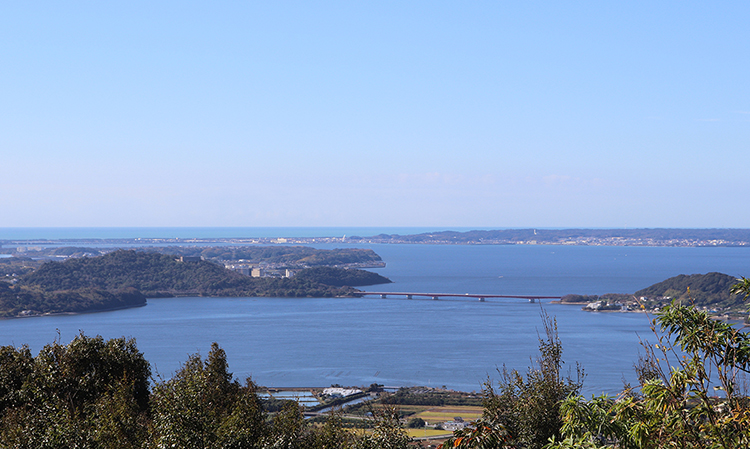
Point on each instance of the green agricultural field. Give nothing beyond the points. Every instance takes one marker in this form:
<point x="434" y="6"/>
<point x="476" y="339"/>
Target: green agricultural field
<point x="435" y="415"/>
<point x="423" y="433"/>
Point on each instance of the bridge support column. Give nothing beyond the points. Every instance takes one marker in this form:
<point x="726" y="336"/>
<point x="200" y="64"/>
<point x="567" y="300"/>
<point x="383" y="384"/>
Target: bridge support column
<point x="435" y="298"/>
<point x="384" y="296"/>
<point x="409" y="297"/>
<point x="532" y="300"/>
<point x="481" y="299"/>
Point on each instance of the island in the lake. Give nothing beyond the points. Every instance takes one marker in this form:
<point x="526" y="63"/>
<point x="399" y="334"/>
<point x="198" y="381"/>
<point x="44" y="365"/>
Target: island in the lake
<point x="125" y="278"/>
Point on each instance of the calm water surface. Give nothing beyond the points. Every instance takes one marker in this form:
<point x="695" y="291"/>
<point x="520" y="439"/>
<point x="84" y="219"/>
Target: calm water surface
<point x="397" y="342"/>
<point x="318" y="342"/>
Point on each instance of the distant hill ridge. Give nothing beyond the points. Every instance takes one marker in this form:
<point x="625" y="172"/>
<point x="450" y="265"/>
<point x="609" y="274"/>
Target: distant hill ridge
<point x="645" y="236"/>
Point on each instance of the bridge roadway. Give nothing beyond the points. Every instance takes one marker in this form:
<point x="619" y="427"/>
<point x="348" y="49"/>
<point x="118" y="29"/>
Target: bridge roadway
<point x="480" y="297"/>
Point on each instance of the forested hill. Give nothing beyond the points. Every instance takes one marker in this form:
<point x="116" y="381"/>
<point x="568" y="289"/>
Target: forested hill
<point x="16" y="301"/>
<point x="160" y="274"/>
<point x="151" y="273"/>
<point x="340" y="278"/>
<point x="710" y="289"/>
<point x="140" y="273"/>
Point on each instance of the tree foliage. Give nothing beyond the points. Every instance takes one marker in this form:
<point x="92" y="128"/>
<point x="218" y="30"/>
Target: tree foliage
<point x="524" y="411"/>
<point x="387" y="432"/>
<point x="697" y="289"/>
<point x="89" y="393"/>
<point x="125" y="278"/>
<point x="339" y="277"/>
<point x="690" y="393"/>
<point x="203" y="407"/>
<point x="20" y="300"/>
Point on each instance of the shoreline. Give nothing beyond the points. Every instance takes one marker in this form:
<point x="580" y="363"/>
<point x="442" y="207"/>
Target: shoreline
<point x="37" y="315"/>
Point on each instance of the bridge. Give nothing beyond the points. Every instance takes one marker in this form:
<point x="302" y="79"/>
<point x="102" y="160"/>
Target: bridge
<point x="480" y="297"/>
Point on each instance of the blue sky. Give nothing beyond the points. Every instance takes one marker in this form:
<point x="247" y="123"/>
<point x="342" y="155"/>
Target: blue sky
<point x="445" y="114"/>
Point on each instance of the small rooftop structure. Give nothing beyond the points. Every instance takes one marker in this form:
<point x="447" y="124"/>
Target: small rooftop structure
<point x="340" y="392"/>
<point x="457" y="424"/>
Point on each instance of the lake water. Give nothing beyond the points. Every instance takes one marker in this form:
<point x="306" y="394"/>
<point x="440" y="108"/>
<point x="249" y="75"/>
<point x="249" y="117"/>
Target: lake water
<point x="458" y="343"/>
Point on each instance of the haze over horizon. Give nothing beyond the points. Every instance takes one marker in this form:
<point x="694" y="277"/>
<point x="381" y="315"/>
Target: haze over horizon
<point x="389" y="114"/>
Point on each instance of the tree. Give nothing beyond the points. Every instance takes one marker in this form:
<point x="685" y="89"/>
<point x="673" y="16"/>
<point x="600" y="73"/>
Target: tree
<point x="202" y="407"/>
<point x="15" y="367"/>
<point x="89" y="393"/>
<point x="528" y="408"/>
<point x="387" y="432"/>
<point x="524" y="411"/>
<point x="245" y="427"/>
<point x="688" y="396"/>
<point x="415" y="423"/>
<point x="288" y="428"/>
<point x="483" y="433"/>
<point x="332" y="435"/>
<point x="741" y="288"/>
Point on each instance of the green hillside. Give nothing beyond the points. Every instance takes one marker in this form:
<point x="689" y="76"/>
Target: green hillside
<point x="23" y="301"/>
<point x="339" y="278"/>
<point x="151" y="273"/>
<point x="124" y="278"/>
<point x="711" y="289"/>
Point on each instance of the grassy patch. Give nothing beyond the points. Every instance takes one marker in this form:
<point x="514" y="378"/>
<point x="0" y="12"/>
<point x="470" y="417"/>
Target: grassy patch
<point x="442" y="414"/>
<point x="421" y="433"/>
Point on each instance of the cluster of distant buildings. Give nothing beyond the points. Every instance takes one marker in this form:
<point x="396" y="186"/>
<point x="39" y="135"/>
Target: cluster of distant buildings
<point x="458" y="423"/>
<point x="249" y="269"/>
<point x="626" y="241"/>
<point x="573" y="241"/>
<point x="258" y="271"/>
<point x="255" y="270"/>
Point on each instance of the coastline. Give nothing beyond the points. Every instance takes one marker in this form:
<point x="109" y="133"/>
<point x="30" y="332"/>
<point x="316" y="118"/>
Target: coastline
<point x="108" y="309"/>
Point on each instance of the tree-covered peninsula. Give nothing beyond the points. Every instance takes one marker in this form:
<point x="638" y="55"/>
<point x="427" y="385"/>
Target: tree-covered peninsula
<point x="711" y="291"/>
<point x="18" y="301"/>
<point x="340" y="278"/>
<point x="124" y="278"/>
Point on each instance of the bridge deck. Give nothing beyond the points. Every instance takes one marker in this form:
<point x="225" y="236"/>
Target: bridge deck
<point x="455" y="295"/>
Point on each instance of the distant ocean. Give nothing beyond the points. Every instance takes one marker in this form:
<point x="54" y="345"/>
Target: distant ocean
<point x="208" y="232"/>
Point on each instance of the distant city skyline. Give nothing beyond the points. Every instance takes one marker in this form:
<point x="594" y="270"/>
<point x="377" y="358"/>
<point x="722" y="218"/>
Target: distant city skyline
<point x="390" y="114"/>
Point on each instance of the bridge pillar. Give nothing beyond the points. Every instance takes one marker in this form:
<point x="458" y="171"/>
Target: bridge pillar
<point x="481" y="299"/>
<point x="409" y="297"/>
<point x="384" y="296"/>
<point x="532" y="300"/>
<point x="435" y="298"/>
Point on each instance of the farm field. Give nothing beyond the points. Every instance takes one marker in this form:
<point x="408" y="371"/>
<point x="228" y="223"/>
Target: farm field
<point x="425" y="433"/>
<point x="434" y="415"/>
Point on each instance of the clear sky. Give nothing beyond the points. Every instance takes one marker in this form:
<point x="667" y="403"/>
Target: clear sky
<point x="403" y="113"/>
